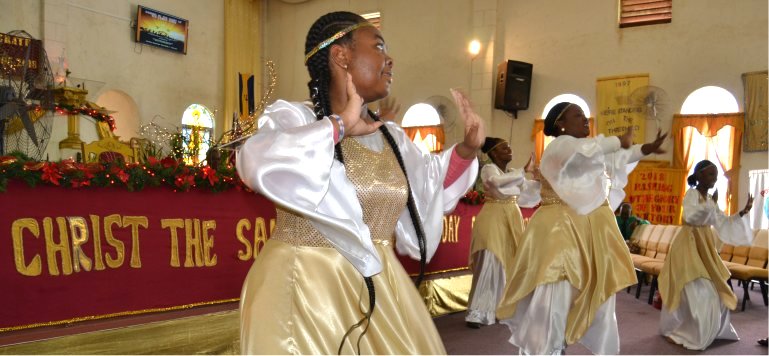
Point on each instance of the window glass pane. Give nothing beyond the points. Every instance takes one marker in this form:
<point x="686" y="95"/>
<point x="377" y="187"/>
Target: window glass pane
<point x="710" y="100"/>
<point x="197" y="133"/>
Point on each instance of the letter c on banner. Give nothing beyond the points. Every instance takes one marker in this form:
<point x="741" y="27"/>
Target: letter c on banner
<point x="34" y="268"/>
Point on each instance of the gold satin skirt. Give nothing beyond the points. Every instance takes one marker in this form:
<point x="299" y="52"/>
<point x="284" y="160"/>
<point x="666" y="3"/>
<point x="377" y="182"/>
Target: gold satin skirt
<point x="302" y="300"/>
<point x="497" y="228"/>
<point x="693" y="254"/>
<point x="586" y="250"/>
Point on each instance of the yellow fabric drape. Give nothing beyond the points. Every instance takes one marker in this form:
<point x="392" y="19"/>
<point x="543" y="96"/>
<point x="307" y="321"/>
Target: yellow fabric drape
<point x="728" y="152"/>
<point x="242" y="51"/>
<point x="538" y="136"/>
<point x="694" y="254"/>
<point x="756" y="111"/>
<point x="423" y="131"/>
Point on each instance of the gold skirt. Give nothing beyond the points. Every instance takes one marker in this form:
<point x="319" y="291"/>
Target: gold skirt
<point x="302" y="300"/>
<point x="693" y="255"/>
<point x="497" y="228"/>
<point x="586" y="250"/>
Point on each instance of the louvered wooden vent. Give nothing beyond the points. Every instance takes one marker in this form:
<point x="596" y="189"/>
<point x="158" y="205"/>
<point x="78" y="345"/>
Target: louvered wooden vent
<point x="375" y="18"/>
<point x="644" y="12"/>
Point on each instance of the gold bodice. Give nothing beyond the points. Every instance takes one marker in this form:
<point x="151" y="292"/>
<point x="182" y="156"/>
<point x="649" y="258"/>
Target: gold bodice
<point x="548" y="195"/>
<point x="381" y="189"/>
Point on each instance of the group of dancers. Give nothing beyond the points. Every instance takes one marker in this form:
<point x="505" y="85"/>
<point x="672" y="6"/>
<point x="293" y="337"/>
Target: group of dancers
<point x="351" y="190"/>
<point x="558" y="287"/>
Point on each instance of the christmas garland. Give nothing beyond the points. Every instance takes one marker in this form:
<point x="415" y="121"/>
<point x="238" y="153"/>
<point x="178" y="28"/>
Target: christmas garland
<point x="474" y="197"/>
<point x="168" y="172"/>
<point x="63" y="109"/>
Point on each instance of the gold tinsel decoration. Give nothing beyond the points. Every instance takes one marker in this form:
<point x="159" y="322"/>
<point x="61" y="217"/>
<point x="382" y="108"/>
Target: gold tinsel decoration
<point x="246" y="126"/>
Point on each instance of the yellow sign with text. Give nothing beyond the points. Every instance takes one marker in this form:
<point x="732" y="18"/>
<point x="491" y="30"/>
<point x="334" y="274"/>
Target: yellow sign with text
<point x="620" y="104"/>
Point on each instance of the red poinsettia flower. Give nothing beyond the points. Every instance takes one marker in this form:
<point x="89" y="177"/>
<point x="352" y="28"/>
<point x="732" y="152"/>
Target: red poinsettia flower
<point x="210" y="174"/>
<point x="51" y="173"/>
<point x="152" y="161"/>
<point x="119" y="173"/>
<point x="185" y="181"/>
<point x="122" y="175"/>
<point x="77" y="183"/>
<point x="169" y="162"/>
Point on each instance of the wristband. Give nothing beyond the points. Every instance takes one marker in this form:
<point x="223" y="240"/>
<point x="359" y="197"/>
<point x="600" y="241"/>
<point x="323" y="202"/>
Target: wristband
<point x="340" y="123"/>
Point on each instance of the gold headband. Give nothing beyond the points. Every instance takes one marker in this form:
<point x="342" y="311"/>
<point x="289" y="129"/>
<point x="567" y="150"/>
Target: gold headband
<point x="335" y="37"/>
<point x="495" y="146"/>
<point x="561" y="113"/>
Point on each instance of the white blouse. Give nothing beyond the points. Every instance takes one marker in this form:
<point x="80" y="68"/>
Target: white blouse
<point x="290" y="160"/>
<point x="504" y="185"/>
<point x="699" y="211"/>
<point x="583" y="171"/>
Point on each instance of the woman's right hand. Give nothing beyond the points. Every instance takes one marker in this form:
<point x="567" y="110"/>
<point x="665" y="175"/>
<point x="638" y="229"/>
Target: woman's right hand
<point x="749" y="204"/>
<point x="654" y="146"/>
<point x="354" y="125"/>
<point x="626" y="140"/>
<point x="531" y="165"/>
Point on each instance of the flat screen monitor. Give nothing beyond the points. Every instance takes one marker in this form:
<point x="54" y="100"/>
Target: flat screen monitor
<point x="162" y="30"/>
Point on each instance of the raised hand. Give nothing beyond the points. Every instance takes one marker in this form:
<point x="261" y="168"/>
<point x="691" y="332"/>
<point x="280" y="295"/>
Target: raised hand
<point x="715" y="196"/>
<point x="354" y="125"/>
<point x="475" y="133"/>
<point x="531" y="164"/>
<point x="626" y="140"/>
<point x="654" y="146"/>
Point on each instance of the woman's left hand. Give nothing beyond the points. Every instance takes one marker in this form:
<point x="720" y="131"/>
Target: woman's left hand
<point x="475" y="133"/>
<point x="531" y="165"/>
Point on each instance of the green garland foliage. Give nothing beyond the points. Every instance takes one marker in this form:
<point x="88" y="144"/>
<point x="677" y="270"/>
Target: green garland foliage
<point x="167" y="172"/>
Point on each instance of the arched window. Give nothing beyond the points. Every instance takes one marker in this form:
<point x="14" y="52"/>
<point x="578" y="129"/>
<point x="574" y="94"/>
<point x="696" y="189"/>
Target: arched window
<point x="538" y="136"/>
<point x="709" y="100"/>
<point x="197" y="133"/>
<point x="422" y="125"/>
<point x="710" y="127"/>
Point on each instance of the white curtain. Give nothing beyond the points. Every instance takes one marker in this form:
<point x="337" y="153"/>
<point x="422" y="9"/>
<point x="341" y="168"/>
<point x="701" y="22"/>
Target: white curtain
<point x="759" y="187"/>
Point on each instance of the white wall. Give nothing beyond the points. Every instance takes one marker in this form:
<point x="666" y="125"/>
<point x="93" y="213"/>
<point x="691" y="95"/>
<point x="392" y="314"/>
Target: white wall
<point x="570" y="43"/>
<point x="100" y="47"/>
<point x="22" y="15"/>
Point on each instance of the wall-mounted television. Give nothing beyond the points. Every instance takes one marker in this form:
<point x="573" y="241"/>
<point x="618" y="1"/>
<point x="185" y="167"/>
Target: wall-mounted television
<point x="162" y="30"/>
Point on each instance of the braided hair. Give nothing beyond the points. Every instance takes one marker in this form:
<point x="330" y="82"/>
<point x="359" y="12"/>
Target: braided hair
<point x="692" y="179"/>
<point x="319" y="86"/>
<point x="552" y="116"/>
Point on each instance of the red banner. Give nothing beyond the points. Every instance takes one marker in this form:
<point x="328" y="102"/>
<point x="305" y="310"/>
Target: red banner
<point x="70" y="255"/>
<point x="78" y="254"/>
<point x="454" y="250"/>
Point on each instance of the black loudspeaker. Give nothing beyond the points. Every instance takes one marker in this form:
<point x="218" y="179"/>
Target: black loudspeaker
<point x="513" y="86"/>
